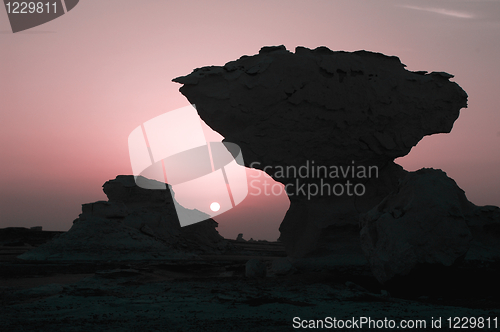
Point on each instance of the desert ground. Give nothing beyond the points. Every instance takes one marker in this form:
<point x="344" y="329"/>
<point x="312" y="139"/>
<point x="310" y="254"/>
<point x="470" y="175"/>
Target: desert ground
<point x="212" y="293"/>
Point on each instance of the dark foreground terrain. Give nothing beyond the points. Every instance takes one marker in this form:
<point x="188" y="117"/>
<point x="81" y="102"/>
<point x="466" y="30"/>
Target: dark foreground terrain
<point x="212" y="293"/>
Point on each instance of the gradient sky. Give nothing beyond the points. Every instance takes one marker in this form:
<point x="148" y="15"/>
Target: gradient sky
<point x="73" y="89"/>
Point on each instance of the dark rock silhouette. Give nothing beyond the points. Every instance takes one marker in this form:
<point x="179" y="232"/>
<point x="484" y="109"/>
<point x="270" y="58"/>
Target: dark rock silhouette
<point x="134" y="224"/>
<point x="331" y="108"/>
<point x="153" y="212"/>
<point x="284" y="108"/>
<point x="423" y="222"/>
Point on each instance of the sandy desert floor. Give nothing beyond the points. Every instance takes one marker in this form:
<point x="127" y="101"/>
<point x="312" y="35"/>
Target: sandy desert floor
<point x="213" y="294"/>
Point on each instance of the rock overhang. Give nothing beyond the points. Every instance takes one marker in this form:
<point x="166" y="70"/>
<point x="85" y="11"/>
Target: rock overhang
<point x="284" y="108"/>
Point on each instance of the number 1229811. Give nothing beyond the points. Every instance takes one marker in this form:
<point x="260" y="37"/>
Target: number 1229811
<point x="31" y="7"/>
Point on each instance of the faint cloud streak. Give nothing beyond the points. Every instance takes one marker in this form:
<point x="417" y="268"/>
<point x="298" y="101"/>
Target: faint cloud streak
<point x="442" y="11"/>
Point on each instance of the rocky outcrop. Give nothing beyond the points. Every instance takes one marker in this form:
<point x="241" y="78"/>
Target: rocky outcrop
<point x="427" y="223"/>
<point x="134" y="224"/>
<point x="423" y="222"/>
<point x="320" y="108"/>
<point x="153" y="212"/>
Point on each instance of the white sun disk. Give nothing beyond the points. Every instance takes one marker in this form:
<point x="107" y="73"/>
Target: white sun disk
<point x="215" y="206"/>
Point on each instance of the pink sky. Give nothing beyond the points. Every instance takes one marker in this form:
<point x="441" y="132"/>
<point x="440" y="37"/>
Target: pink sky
<point x="73" y="89"/>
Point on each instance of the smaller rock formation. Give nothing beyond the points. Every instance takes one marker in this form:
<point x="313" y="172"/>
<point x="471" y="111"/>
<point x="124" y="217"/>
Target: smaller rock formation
<point x="134" y="224"/>
<point x="426" y="221"/>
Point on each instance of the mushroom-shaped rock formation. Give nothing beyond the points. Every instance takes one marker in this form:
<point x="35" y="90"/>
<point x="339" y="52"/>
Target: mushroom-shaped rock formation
<point x="342" y="116"/>
<point x="134" y="224"/>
